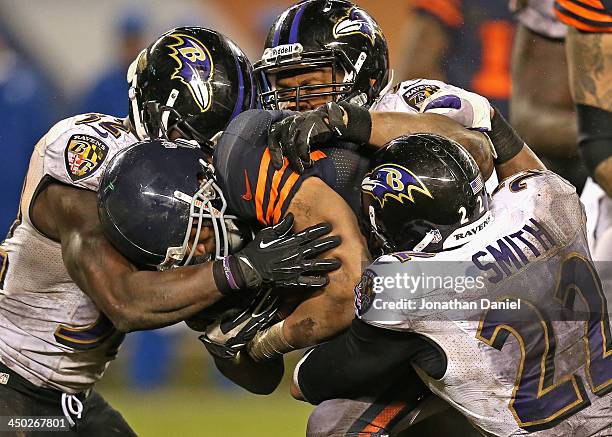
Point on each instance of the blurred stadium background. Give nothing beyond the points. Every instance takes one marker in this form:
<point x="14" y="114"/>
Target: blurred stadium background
<point x="62" y="57"/>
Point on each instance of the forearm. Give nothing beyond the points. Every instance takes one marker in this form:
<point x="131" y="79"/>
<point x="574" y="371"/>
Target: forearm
<point x="156" y="299"/>
<point x="513" y="155"/>
<point x="589" y="57"/>
<point x="551" y="131"/>
<point x="349" y="365"/>
<point x="329" y="311"/>
<point x="318" y="319"/>
<point x="542" y="112"/>
<point x="257" y="377"/>
<point x="136" y="300"/>
<point x="387" y="126"/>
<point x="524" y="160"/>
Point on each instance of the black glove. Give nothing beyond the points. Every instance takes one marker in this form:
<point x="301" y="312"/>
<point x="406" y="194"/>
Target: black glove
<point x="279" y="258"/>
<point x="227" y="335"/>
<point x="294" y="136"/>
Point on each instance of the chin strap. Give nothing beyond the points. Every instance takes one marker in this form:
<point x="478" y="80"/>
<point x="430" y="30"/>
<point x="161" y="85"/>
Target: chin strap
<point x="432" y="236"/>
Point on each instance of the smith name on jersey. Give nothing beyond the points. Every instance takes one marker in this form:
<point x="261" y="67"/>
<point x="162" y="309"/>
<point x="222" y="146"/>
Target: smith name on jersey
<point x="527" y="343"/>
<point x="51" y="332"/>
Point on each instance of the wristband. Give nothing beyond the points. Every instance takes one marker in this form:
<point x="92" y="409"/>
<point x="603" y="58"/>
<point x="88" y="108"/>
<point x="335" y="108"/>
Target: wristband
<point x="506" y="141"/>
<point x="227" y="275"/>
<point x="359" y="124"/>
<point x="594" y="135"/>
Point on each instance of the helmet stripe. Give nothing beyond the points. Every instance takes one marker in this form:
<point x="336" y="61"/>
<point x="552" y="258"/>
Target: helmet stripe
<point x="295" y="25"/>
<point x="279" y="26"/>
<point x="240" y="100"/>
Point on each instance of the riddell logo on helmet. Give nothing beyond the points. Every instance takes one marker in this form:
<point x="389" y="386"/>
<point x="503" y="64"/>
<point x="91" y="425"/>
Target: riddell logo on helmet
<point x="283" y="50"/>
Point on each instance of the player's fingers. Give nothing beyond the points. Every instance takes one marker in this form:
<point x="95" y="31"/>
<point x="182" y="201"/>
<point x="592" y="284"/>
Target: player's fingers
<point x="321" y="245"/>
<point x="276" y="151"/>
<point x="283" y="227"/>
<point x="321" y="265"/>
<point x="312" y="281"/>
<point x="313" y="232"/>
<point x="290" y="147"/>
<point x="302" y="142"/>
<point x="335" y="116"/>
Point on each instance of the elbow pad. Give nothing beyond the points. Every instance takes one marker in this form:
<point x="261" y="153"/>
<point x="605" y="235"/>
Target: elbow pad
<point x="594" y="135"/>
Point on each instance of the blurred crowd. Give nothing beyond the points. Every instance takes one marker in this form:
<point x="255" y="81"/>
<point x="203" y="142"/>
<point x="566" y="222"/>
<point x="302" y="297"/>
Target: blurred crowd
<point x="468" y="44"/>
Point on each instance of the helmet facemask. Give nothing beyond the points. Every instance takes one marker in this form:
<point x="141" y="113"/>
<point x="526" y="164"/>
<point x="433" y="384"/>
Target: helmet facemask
<point x="207" y="204"/>
<point x="284" y="59"/>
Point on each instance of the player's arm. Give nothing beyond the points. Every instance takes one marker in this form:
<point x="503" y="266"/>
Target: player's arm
<point x="322" y="315"/>
<point x="353" y="362"/>
<point x="131" y="299"/>
<point x="325" y="313"/>
<point x="589" y="58"/>
<point x="542" y="110"/>
<point x="294" y="136"/>
<point x="387" y="126"/>
<point x="260" y="378"/>
<point x="513" y="154"/>
<point x="419" y="62"/>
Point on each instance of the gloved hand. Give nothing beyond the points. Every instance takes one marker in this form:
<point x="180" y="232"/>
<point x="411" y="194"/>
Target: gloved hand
<point x="232" y="330"/>
<point x="279" y="258"/>
<point x="468" y="109"/>
<point x="294" y="136"/>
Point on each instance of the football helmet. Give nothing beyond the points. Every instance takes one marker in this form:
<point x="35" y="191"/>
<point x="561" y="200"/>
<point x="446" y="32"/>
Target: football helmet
<point x="424" y="193"/>
<point x="154" y="199"/>
<point x="192" y="81"/>
<point x="325" y="33"/>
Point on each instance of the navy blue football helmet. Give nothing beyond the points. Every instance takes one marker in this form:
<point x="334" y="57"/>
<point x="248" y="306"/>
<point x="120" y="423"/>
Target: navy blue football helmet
<point x="325" y="33"/>
<point x="155" y="194"/>
<point x="191" y="81"/>
<point x="424" y="193"/>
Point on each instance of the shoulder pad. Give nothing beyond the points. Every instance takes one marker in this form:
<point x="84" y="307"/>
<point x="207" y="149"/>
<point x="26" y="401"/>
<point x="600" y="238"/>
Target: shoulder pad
<point x="408" y="95"/>
<point x="76" y="153"/>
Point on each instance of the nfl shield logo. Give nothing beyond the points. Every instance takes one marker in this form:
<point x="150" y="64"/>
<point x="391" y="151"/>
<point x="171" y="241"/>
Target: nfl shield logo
<point x="83" y="156"/>
<point x="4" y="377"/>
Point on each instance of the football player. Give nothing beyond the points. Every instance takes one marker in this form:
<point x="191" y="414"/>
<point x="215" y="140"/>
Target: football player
<point x="588" y="47"/>
<point x="541" y="364"/>
<point x="266" y="188"/>
<point x="68" y="296"/>
<point x="260" y="187"/>
<point x="319" y="51"/>
<point x="542" y="111"/>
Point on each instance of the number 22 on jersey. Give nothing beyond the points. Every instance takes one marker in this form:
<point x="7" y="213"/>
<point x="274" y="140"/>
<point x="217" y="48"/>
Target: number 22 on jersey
<point x="539" y="400"/>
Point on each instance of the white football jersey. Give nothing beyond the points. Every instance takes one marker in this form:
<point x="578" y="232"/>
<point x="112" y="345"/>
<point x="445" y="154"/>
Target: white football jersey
<point x="518" y="312"/>
<point x="408" y="96"/>
<point x="51" y="332"/>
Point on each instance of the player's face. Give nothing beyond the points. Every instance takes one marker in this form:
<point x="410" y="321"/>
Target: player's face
<point x="206" y="240"/>
<point x="309" y="99"/>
